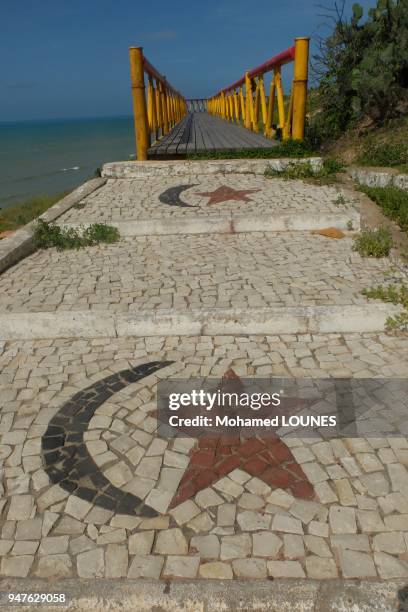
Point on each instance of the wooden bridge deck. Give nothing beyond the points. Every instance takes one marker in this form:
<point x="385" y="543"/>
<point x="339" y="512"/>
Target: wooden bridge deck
<point x="201" y="132"/>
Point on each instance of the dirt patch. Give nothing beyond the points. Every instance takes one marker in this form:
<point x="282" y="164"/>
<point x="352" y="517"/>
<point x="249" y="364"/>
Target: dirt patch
<point x="6" y="234"/>
<point x="329" y="232"/>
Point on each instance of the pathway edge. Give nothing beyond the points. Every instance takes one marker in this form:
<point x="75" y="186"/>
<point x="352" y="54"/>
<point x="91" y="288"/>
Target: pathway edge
<point x="21" y="244"/>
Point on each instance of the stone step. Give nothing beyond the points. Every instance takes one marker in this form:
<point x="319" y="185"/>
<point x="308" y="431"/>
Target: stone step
<point x="234" y="224"/>
<point x="160" y="169"/>
<point x="205" y="322"/>
<point x="215" y="204"/>
<point x="213" y="595"/>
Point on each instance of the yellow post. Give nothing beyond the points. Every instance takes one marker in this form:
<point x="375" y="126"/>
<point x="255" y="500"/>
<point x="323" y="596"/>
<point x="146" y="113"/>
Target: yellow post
<point x="152" y="108"/>
<point x="139" y="102"/>
<point x="255" y="121"/>
<point x="279" y="95"/>
<point x="159" y="110"/>
<point x="242" y="103"/>
<point x="165" y="109"/>
<point x="262" y="96"/>
<point x="231" y="107"/>
<point x="286" y="132"/>
<point x="236" y="106"/>
<point x="300" y="87"/>
<point x="248" y="102"/>
<point x="271" y="109"/>
<point x="171" y="109"/>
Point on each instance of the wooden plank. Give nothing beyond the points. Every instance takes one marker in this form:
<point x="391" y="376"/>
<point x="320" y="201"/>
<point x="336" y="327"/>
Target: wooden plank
<point x="211" y="139"/>
<point x="238" y="137"/>
<point x="217" y="132"/>
<point x="187" y="142"/>
<point x="173" y="149"/>
<point x="172" y="138"/>
<point x="170" y="142"/>
<point x="232" y="140"/>
<point x="202" y="144"/>
<point x="199" y="131"/>
<point x="162" y="145"/>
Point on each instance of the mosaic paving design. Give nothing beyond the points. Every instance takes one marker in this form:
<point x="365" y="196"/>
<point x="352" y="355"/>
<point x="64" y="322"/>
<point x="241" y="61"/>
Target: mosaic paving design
<point x="143" y="198"/>
<point x="355" y="526"/>
<point x="69" y="463"/>
<point x="225" y="194"/>
<point x="264" y="456"/>
<point x="67" y="460"/>
<point x="268" y="459"/>
<point x="172" y="196"/>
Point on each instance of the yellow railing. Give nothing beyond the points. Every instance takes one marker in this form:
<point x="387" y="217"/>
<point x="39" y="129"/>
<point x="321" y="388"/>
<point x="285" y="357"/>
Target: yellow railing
<point x="156" y="112"/>
<point x="246" y="102"/>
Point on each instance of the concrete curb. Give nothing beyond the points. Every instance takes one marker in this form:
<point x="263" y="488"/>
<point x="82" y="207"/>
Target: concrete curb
<point x="281" y="222"/>
<point x="212" y="596"/>
<point x="211" y="322"/>
<point x="133" y="169"/>
<point x="19" y="245"/>
<point x="379" y="178"/>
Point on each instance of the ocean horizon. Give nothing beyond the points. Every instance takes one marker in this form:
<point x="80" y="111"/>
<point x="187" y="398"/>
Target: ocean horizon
<point x="49" y="156"/>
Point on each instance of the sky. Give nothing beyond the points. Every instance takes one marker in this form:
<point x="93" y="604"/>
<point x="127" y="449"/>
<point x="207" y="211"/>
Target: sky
<point x="69" y="58"/>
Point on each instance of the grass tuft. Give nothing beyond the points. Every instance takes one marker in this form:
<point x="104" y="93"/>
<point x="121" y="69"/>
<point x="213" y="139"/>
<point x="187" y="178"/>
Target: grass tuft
<point x="373" y="243"/>
<point x="289" y="148"/>
<point x="49" y="235"/>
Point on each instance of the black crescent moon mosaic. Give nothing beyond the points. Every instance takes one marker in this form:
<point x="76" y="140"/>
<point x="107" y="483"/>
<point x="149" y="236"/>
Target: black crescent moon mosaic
<point x="66" y="457"/>
<point x="172" y="196"/>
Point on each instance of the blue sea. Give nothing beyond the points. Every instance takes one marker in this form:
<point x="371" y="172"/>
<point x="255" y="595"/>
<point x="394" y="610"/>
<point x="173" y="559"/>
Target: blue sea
<point x="49" y="157"/>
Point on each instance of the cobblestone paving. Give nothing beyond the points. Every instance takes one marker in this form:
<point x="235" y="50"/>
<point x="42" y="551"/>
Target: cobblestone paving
<point x="355" y="525"/>
<point x="223" y="271"/>
<point x="129" y="199"/>
<point x="88" y="486"/>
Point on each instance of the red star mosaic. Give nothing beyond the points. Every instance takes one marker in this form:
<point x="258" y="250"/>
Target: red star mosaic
<point x="224" y="193"/>
<point x="268" y="458"/>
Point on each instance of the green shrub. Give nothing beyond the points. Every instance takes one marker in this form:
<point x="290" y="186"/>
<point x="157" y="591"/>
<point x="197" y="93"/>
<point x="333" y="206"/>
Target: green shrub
<point x="331" y="166"/>
<point x="373" y="243"/>
<point x="393" y="202"/>
<point x="47" y="235"/>
<point x="363" y="68"/>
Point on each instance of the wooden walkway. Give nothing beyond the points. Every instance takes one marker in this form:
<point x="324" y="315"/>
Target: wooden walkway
<point x="201" y="132"/>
